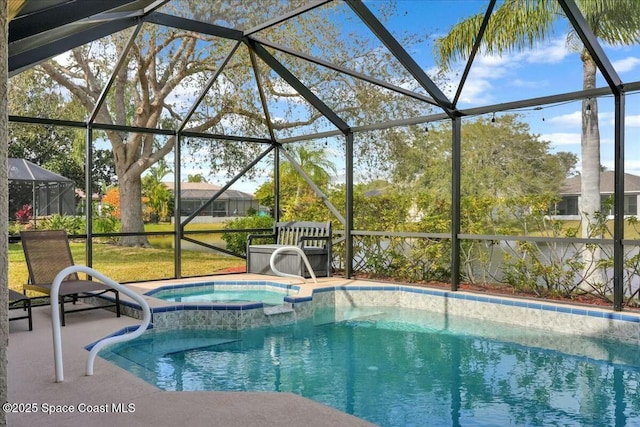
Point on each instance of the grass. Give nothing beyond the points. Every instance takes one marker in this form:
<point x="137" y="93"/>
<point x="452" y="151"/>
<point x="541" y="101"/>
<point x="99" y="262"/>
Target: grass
<point x="124" y="264"/>
<point x="631" y="230"/>
<point x="166" y="242"/>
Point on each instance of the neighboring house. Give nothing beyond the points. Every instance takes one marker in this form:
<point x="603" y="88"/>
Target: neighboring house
<point x="231" y="203"/>
<point x="568" y="207"/>
<point x="47" y="193"/>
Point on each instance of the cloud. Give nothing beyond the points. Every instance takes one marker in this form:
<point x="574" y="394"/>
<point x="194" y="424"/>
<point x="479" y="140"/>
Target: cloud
<point x="571" y="119"/>
<point x="630" y="166"/>
<point x="626" y="64"/>
<point x="570" y="138"/>
<point x="477" y="91"/>
<point x="552" y="53"/>
<point x="562" y="138"/>
<point x="487" y="69"/>
<point x="575" y="119"/>
<point x="632" y="121"/>
<point x="529" y="83"/>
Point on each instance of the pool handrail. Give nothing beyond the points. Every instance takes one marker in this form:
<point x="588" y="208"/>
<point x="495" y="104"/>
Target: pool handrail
<point x="302" y="255"/>
<point x="55" y="318"/>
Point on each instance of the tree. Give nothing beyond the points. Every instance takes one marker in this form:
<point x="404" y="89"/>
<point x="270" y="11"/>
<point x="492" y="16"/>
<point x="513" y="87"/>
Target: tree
<point x="111" y="202"/>
<point x="294" y="190"/>
<point x="505" y="170"/>
<point x="164" y="61"/>
<point x="56" y="148"/>
<point x="52" y="147"/>
<point x="315" y="163"/>
<point x="158" y="194"/>
<point x="104" y="171"/>
<point x="499" y="159"/>
<point x="198" y="177"/>
<point x="520" y="24"/>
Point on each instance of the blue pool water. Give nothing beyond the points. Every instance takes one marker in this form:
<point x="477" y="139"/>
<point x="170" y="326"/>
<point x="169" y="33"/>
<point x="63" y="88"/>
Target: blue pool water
<point x="209" y="294"/>
<point x="408" y="368"/>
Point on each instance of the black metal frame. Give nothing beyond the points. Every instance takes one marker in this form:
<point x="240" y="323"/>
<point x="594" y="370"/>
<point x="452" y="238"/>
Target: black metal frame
<point x="62" y="31"/>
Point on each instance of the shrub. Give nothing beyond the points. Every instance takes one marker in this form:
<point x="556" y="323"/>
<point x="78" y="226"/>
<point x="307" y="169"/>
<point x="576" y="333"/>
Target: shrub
<point x="24" y="214"/>
<point x="72" y="224"/>
<point x="14" y="228"/>
<point x="237" y="241"/>
<point x="106" y="224"/>
<point x="111" y="202"/>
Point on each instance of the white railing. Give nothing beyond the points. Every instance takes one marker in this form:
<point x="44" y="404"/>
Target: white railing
<point x="55" y="318"/>
<point x="302" y="255"/>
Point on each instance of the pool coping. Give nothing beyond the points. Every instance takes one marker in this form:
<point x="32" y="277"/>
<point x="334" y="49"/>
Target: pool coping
<point x="523" y="302"/>
<point x="558" y="316"/>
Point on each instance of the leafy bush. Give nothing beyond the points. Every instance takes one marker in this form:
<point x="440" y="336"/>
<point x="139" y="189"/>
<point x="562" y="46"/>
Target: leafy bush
<point x="237" y="241"/>
<point x="106" y="224"/>
<point x="24" y="214"/>
<point x="72" y="224"/>
<point x="14" y="228"/>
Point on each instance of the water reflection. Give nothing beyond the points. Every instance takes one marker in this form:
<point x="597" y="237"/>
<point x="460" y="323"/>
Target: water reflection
<point x="410" y="368"/>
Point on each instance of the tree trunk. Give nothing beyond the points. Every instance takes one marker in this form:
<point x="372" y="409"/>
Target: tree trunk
<point x="131" y="210"/>
<point x="4" y="208"/>
<point x="590" y="180"/>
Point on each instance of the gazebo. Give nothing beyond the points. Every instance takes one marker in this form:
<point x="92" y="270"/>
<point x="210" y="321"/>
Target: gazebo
<point x="45" y="192"/>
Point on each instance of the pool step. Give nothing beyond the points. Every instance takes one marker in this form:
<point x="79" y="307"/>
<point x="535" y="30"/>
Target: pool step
<point x="278" y="309"/>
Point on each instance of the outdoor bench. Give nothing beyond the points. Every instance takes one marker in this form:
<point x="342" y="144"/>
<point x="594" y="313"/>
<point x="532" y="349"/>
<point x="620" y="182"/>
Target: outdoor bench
<point x="313" y="238"/>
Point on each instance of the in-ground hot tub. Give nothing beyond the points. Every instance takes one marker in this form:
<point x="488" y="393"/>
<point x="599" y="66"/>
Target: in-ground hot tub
<point x="272" y="294"/>
<point x="227" y="305"/>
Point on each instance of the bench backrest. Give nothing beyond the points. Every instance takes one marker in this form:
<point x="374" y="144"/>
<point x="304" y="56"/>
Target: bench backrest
<point x="290" y="233"/>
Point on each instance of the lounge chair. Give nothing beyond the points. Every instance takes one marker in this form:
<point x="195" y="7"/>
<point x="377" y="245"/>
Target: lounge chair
<point x="47" y="253"/>
<point x="19" y="301"/>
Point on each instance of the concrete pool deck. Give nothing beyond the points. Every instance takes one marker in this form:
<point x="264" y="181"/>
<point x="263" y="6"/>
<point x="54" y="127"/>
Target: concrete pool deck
<point x="31" y="380"/>
<point x="31" y="368"/>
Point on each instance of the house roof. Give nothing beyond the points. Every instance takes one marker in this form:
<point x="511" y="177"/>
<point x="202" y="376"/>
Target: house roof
<point x="631" y="184"/>
<point x="204" y="190"/>
<point x="24" y="170"/>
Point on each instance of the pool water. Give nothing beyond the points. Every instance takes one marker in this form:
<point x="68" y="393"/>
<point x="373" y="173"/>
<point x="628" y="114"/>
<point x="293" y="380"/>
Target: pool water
<point x="408" y="368"/>
<point x="198" y="294"/>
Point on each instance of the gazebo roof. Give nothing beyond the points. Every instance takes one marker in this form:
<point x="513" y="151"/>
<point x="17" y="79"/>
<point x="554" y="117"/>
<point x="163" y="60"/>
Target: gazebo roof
<point x="24" y="170"/>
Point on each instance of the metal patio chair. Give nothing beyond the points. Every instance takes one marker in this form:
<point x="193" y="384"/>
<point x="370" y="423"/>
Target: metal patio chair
<point x="47" y="253"/>
<point x="19" y="301"/>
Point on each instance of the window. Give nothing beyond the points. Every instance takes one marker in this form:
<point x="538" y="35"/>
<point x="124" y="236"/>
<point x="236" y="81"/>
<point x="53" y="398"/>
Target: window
<point x="631" y="205"/>
<point x="567" y="206"/>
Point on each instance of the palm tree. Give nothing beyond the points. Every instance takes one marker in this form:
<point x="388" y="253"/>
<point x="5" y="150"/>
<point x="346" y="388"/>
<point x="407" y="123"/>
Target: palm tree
<point x="315" y="163"/>
<point x="154" y="189"/>
<point x="520" y="24"/>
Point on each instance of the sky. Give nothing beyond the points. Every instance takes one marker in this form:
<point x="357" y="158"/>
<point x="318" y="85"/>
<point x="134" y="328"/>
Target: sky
<point x="550" y="68"/>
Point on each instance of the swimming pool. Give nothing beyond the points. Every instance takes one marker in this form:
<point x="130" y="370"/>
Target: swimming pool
<point x="405" y="367"/>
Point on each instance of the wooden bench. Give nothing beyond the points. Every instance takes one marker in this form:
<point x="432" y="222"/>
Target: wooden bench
<point x="314" y="238"/>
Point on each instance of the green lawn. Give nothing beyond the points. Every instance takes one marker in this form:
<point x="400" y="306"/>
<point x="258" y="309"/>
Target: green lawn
<point x="631" y="230"/>
<point x="138" y="264"/>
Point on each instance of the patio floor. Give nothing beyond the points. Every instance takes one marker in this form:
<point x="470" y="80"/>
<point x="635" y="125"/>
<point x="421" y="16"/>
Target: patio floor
<point x="31" y="380"/>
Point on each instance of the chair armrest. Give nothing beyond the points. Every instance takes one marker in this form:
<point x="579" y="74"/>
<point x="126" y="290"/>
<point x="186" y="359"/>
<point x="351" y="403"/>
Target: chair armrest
<point x="250" y="237"/>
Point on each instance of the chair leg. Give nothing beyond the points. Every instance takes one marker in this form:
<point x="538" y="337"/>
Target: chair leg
<point x="117" y="303"/>
<point x="27" y="304"/>
<point x="62" y="322"/>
